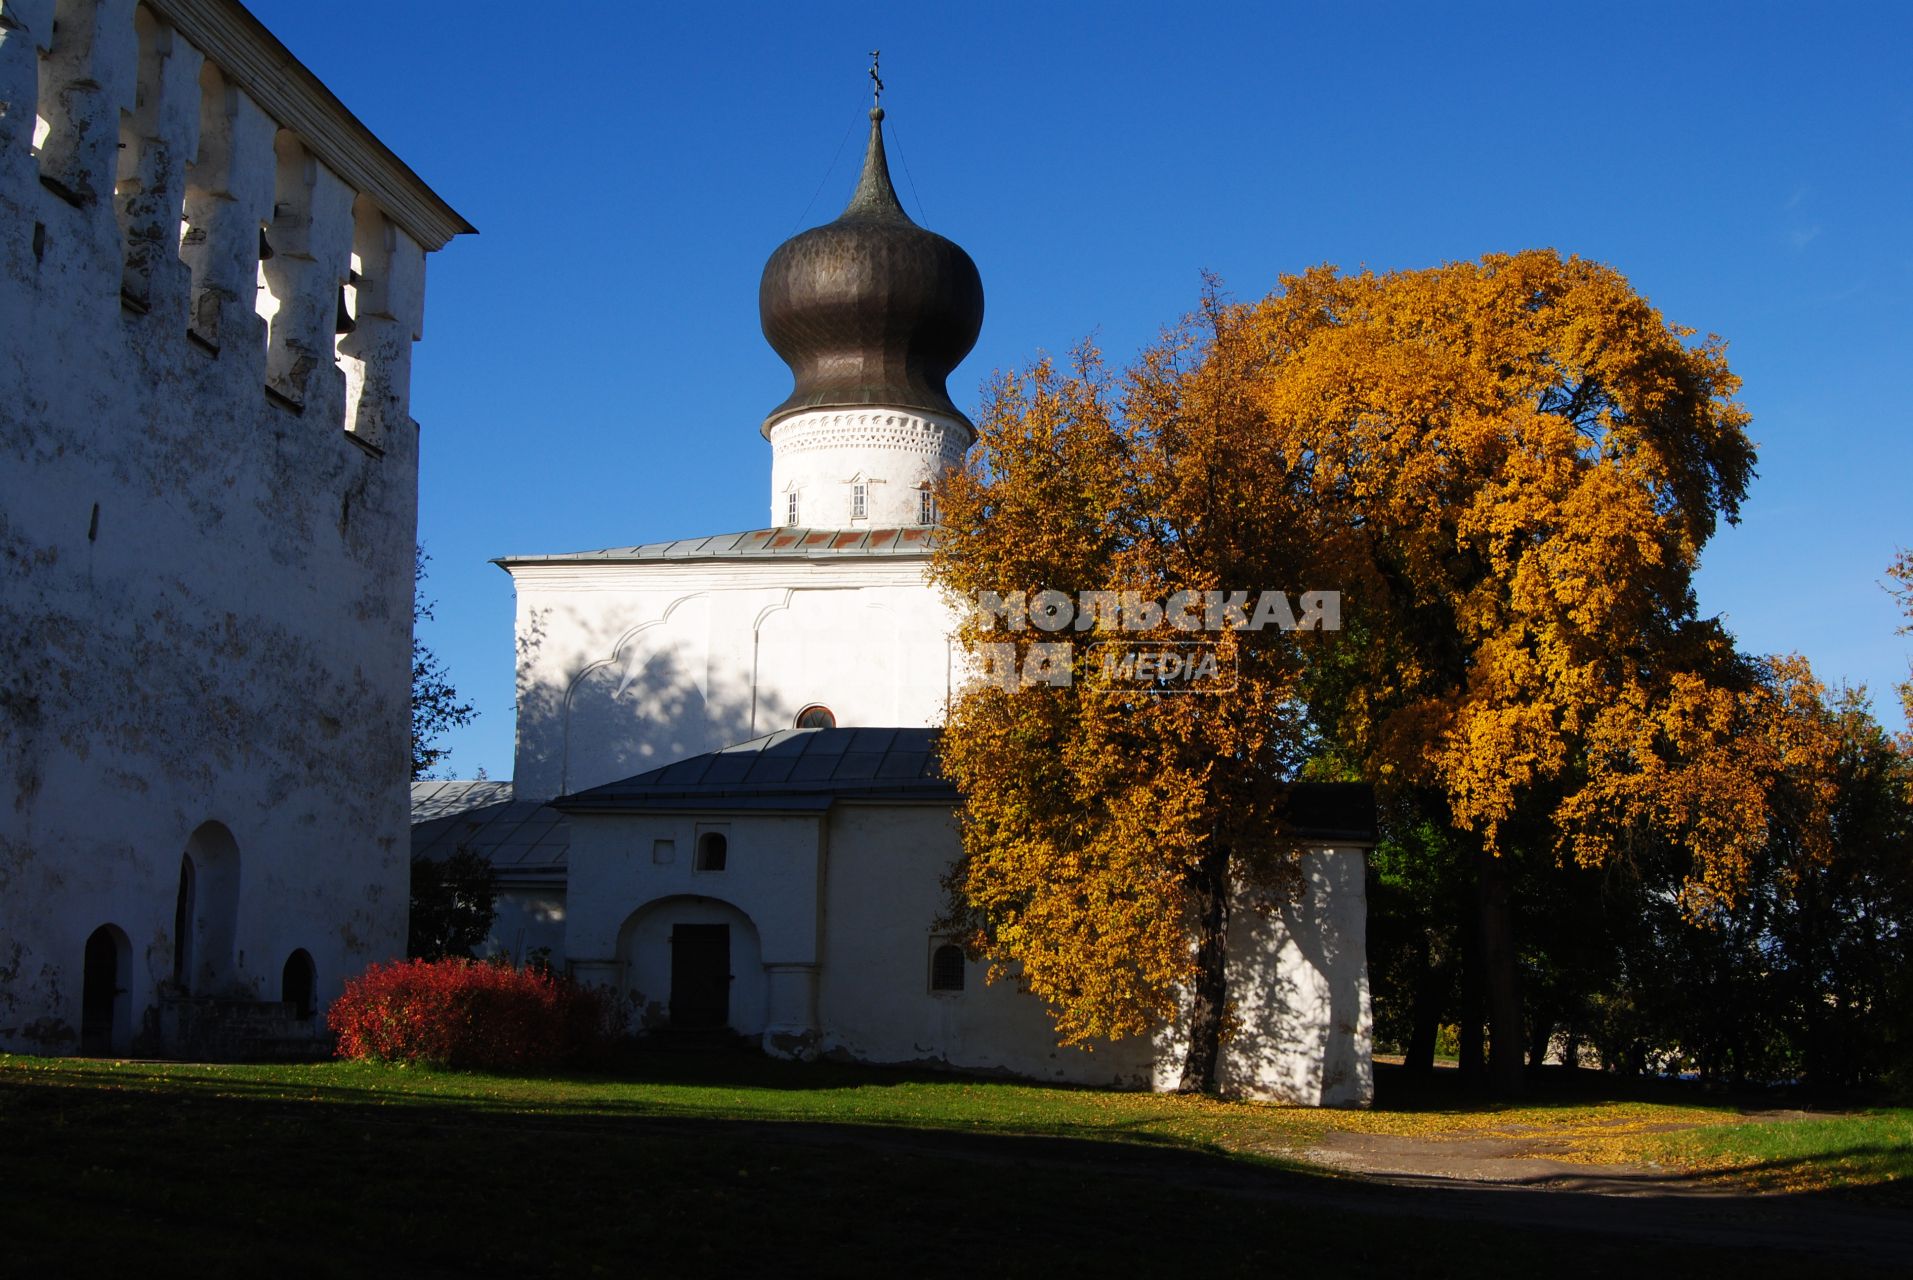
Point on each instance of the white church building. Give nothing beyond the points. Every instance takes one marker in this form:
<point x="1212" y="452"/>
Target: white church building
<point x="726" y="802"/>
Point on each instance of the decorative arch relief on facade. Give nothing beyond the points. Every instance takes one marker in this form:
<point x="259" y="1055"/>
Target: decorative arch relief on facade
<point x="641" y="651"/>
<point x="622" y="710"/>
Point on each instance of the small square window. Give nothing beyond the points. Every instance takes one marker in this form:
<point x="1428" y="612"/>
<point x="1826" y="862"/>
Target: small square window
<point x="664" y="851"/>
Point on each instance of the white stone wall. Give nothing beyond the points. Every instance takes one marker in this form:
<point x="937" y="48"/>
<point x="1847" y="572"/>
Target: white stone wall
<point x="632" y="878"/>
<point x="1298" y="988"/>
<point x="875" y="1002"/>
<point x="205" y="588"/>
<point x="833" y="926"/>
<point x="626" y="667"/>
<point x="823" y="458"/>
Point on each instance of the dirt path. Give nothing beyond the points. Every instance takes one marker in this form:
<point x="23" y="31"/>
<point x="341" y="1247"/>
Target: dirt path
<point x="1521" y="1156"/>
<point x="1493" y="1161"/>
<point x="1484" y="1180"/>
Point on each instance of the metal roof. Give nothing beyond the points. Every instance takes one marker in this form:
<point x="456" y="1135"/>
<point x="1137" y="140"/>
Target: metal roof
<point x="801" y="769"/>
<point x="758" y="544"/>
<point x="871" y="309"/>
<point x="523" y="838"/>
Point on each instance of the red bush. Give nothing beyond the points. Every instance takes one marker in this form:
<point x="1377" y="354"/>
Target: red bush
<point x="461" y="1013"/>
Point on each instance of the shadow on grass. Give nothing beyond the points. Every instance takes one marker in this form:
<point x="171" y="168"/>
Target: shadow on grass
<point x="231" y="1172"/>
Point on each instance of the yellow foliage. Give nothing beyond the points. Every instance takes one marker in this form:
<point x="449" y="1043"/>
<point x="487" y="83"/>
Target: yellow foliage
<point x="1507" y="467"/>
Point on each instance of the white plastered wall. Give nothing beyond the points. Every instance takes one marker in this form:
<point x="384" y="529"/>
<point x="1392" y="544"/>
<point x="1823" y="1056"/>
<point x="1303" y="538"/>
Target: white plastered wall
<point x="842" y="967"/>
<point x="624" y="668"/>
<point x="824" y="455"/>
<point x="205" y="596"/>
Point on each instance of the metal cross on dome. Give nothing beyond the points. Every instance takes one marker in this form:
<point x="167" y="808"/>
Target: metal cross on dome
<point x="876" y="82"/>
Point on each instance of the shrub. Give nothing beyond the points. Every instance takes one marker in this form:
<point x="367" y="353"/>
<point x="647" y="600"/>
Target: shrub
<point x="457" y="1012"/>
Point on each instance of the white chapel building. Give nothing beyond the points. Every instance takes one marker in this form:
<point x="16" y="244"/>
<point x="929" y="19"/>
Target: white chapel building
<point x="726" y="802"/>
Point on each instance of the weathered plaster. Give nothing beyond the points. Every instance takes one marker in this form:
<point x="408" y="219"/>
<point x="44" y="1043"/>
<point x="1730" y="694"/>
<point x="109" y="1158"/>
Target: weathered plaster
<point x="204" y="592"/>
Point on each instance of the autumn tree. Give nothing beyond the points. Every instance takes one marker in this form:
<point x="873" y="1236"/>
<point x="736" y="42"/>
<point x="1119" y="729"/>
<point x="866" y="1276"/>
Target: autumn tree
<point x="1509" y="468"/>
<point x="1526" y="459"/>
<point x="1105" y="821"/>
<point x="1901" y="571"/>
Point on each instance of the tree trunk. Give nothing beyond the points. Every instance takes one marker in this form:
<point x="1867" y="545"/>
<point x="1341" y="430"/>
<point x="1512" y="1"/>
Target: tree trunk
<point x="1425" y="1017"/>
<point x="1500" y="980"/>
<point x="1468" y="1025"/>
<point x="1211" y="992"/>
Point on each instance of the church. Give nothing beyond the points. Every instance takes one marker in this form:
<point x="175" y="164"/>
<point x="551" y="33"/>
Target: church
<point x="726" y="802"/>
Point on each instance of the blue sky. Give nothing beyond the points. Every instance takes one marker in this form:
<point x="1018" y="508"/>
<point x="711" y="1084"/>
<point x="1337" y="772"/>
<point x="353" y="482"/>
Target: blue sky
<point x="593" y="375"/>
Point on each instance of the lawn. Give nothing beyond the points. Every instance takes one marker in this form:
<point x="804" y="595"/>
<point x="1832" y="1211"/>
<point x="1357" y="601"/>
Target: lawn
<point x="684" y="1164"/>
<point x="1869" y="1152"/>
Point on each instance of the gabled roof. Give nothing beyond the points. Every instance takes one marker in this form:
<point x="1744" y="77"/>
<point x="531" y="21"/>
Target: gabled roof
<point x="809" y="770"/>
<point x="436" y="798"/>
<point x="521" y="838"/>
<point x="757" y="544"/>
<point x="793" y="769"/>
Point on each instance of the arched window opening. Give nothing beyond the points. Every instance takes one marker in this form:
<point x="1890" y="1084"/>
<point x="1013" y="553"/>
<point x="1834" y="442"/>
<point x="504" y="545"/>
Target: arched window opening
<point x="816" y="716"/>
<point x="713" y="850"/>
<point x="299" y="984"/>
<point x="946" y="968"/>
<point x="210" y="872"/>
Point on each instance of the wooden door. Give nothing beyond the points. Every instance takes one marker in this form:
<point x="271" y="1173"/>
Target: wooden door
<point x="700" y="975"/>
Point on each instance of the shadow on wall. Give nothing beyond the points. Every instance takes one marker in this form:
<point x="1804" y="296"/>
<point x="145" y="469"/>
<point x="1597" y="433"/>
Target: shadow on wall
<point x="1298" y="984"/>
<point x="652" y="701"/>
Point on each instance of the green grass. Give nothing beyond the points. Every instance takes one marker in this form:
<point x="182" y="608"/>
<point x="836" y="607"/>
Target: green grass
<point x="691" y="1164"/>
<point x="1870" y="1150"/>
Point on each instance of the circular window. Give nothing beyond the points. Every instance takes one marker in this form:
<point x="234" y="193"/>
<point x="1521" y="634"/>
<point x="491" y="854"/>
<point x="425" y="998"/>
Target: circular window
<point x="816" y="716"/>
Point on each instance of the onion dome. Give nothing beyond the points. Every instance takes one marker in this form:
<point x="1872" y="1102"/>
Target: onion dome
<point x="871" y="309"/>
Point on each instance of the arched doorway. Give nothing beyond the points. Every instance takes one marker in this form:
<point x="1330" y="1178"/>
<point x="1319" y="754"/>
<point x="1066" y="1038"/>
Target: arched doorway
<point x="299" y="984"/>
<point x="694" y="963"/>
<point x="105" y="1002"/>
<point x="206" y="914"/>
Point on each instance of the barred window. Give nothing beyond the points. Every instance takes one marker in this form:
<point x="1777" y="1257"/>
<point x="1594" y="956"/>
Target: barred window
<point x="790" y="508"/>
<point x="946" y="968"/>
<point x="859" y="501"/>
